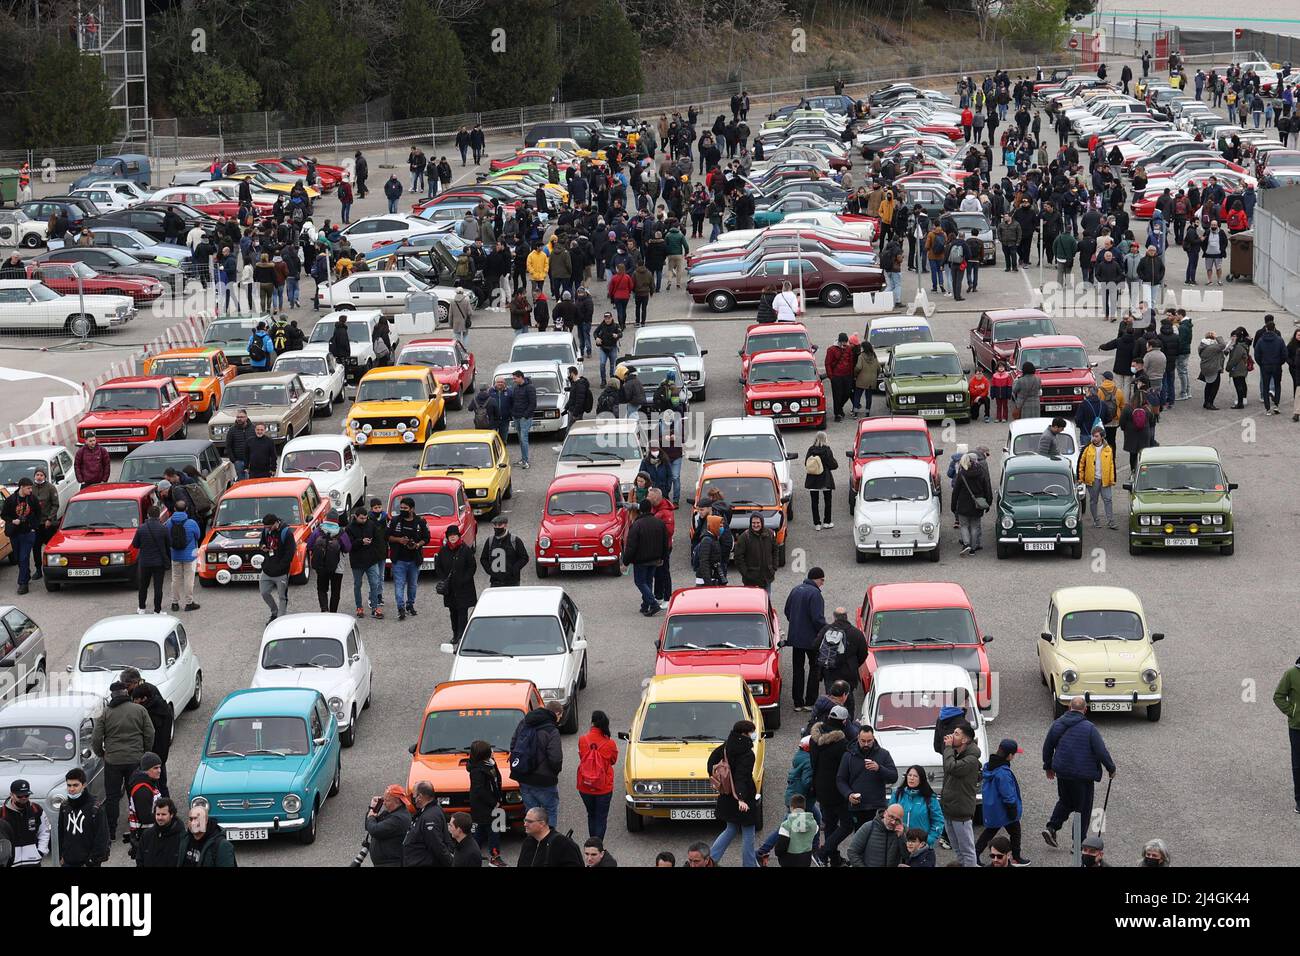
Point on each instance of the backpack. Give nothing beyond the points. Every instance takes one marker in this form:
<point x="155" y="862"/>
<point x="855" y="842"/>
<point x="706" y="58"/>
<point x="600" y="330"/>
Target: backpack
<point x="831" y="650"/>
<point x="1108" y="410"/>
<point x="608" y="401"/>
<point x="256" y="350"/>
<point x="720" y="776"/>
<point x="956" y="254"/>
<point x="587" y="401"/>
<point x="939" y="244"/>
<point x="591" y="769"/>
<point x="180" y="538"/>
<point x="1139" y="418"/>
<point x="523" y="755"/>
<point x="481" y="418"/>
<point x="814" y="465"/>
<point x="280" y="338"/>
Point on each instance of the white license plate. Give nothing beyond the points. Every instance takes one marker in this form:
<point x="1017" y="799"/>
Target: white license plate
<point x="932" y="412"/>
<point x="84" y="572"/>
<point x="1040" y="545"/>
<point x="1109" y="705"/>
<point x="1181" y="542"/>
<point x="895" y="552"/>
<point x="1057" y="408"/>
<point x="384" y="434"/>
<point x="259" y="834"/>
<point x="577" y="565"/>
<point x="782" y="420"/>
<point x="426" y="565"/>
<point x="703" y="813"/>
<point x="115" y="449"/>
<point x="244" y="577"/>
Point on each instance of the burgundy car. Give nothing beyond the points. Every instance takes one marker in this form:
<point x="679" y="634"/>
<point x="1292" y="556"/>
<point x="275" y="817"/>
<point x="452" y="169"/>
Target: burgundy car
<point x="819" y="275"/>
<point x="67" y="278"/>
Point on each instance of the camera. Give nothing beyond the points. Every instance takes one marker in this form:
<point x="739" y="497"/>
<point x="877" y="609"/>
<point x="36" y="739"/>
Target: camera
<point x="376" y="804"/>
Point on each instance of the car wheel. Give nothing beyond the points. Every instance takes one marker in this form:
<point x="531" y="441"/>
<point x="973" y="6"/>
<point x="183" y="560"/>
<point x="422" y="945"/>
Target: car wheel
<point x="307" y="427"/>
<point x="307" y="835"/>
<point x="510" y="489"/>
<point x="31" y="241"/>
<point x="347" y="505"/>
<point x="159" y="436"/>
<point x="39" y="681"/>
<point x="634" y="821"/>
<point x="337" y="784"/>
<point x="721" y="301"/>
<point x="789" y="510"/>
<point x="370" y="695"/>
<point x="834" y="296"/>
<point x="184" y="432"/>
<point x="542" y="570"/>
<point x="1227" y="549"/>
<point x="444" y="314"/>
<point x="328" y="410"/>
<point x="935" y="552"/>
<point x="697" y="395"/>
<point x="570" y="724"/>
<point x="1134" y="549"/>
<point x="1058" y="709"/>
<point x="299" y="579"/>
<point x="1153" y="712"/>
<point x="80" y="325"/>
<point x="458" y="402"/>
<point x="197" y="700"/>
<point x="349" y="736"/>
<point x="52" y="586"/>
<point x="1076" y="550"/>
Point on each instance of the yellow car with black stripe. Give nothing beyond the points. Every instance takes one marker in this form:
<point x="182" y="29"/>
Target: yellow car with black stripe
<point x="478" y="458"/>
<point x="200" y="373"/>
<point x="396" y="405"/>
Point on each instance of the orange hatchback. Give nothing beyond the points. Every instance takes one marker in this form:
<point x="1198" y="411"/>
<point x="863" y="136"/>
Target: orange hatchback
<point x="748" y="487"/>
<point x="201" y="374"/>
<point x="458" y="713"/>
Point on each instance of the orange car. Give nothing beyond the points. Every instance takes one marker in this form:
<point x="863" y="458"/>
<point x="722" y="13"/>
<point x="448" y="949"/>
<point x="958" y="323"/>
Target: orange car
<point x="458" y="713"/>
<point x="231" y="552"/>
<point x="748" y="487"/>
<point x="201" y="374"/>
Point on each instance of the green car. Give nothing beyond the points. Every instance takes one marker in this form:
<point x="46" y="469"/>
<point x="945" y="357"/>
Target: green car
<point x="231" y="334"/>
<point x="1181" y="499"/>
<point x="1037" y="508"/>
<point x="927" y="379"/>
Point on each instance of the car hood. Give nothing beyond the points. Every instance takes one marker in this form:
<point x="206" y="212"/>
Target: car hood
<point x="91" y="540"/>
<point x="270" y="414"/>
<point x="227" y="539"/>
<point x="967" y="657"/>
<point x="469" y="477"/>
<point x="1046" y="509"/>
<point x="751" y="663"/>
<point x="671" y="760"/>
<point x="543" y="670"/>
<point x="889" y="513"/>
<point x="1115" y="657"/>
<point x="926" y="383"/>
<point x="780" y="389"/>
<point x="1181" y="501"/>
<point x="193" y="384"/>
<point x="1074" y="376"/>
<point x="386" y="409"/>
<point x="41" y="775"/>
<point x="331" y="682"/>
<point x="125" y="416"/>
<point x="260" y="773"/>
<point x="578" y="527"/>
<point x="576" y="466"/>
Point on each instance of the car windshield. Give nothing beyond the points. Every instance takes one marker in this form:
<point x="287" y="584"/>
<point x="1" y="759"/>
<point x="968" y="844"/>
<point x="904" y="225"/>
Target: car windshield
<point x="452" y="731"/>
<point x="427" y="503"/>
<point x="324" y="331"/>
<point x="609" y="446"/>
<point x="542" y="352"/>
<point x="796" y="371"/>
<point x="912" y="366"/>
<point x="1044" y="360"/>
<point x="744" y="448"/>
<point x="941" y="625"/>
<point x="691" y="720"/>
<point x="894" y="444"/>
<point x="1102" y="626"/>
<point x="1180" y="476"/>
<point x="712" y="631"/>
<point x="891" y="488"/>
<point x="311" y="459"/>
<point x="182" y="368"/>
<point x="1027" y="443"/>
<point x="580" y="503"/>
<point x="44" y="743"/>
<point x="242" y="736"/>
<point x="966" y="222"/>
<point x="667" y="345"/>
<point x="888" y="337"/>
<point x="393" y="390"/>
<point x="475" y="454"/>
<point x="432" y="357"/>
<point x="1044" y="484"/>
<point x="546" y="383"/>
<point x="85" y="513"/>
<point x="151" y="469"/>
<point x="914" y="710"/>
<point x="115" y="655"/>
<point x="250" y="395"/>
<point x="246" y="512"/>
<point x="523" y="636"/>
<point x="776" y="340"/>
<point x="230" y="332"/>
<point x="124" y="399"/>
<point x="12" y="470"/>
<point x="741" y="491"/>
<point x="303" y="652"/>
<point x="302" y="364"/>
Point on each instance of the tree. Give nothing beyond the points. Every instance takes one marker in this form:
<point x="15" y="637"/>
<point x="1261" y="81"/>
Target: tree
<point x="212" y="87"/>
<point x="428" y="72"/>
<point x="1034" y="25"/>
<point x="325" y="62"/>
<point x="68" y="103"/>
<point x="512" y="53"/>
<point x="602" y="54"/>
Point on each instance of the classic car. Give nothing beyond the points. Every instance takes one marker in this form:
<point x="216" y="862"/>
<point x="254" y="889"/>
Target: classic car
<point x="320" y="372"/>
<point x="584" y="525"/>
<point x="606" y="445"/>
<point x="457" y="714"/>
<point x="893" y="437"/>
<point x="478" y="458"/>
<point x="19" y="229"/>
<point x="1181" y="498"/>
<point x="527" y="633"/>
<point x="22" y="461"/>
<point x="272" y="182"/>
<point x="999" y="331"/>
<point x="129" y="252"/>
<point x="278" y="400"/>
<point x="77" y="278"/>
<point x="366" y="353"/>
<point x="749" y="487"/>
<point x="149" y="463"/>
<point x="271" y="757"/>
<point x="1096" y="644"/>
<point x="896" y="513"/>
<point x="770" y="336"/>
<point x="926" y="379"/>
<point x="147" y="217"/>
<point x="453" y="365"/>
<point x="134" y="410"/>
<point x="1037" y="507"/>
<point x="721" y="630"/>
<point x="680" y="721"/>
<point x="208" y="201"/>
<point x="786" y="385"/>
<point x="231" y="550"/>
<point x="366" y="233"/>
<point x="332" y="464"/>
<point x="680" y="340"/>
<point x="886" y="331"/>
<point x="545" y="347"/>
<point x="202" y="374"/>
<point x="750" y="439"/>
<point x="976" y="223"/>
<point x="93" y="542"/>
<point x="384" y="290"/>
<point x="396" y="405"/>
<point x="1062" y="364"/>
<point x="441" y="502"/>
<point x="156" y="645"/>
<point x="29" y="304"/>
<point x="735" y="260"/>
<point x="817" y="275"/>
<point x="326" y="180"/>
<point x="231" y="334"/>
<point x="550" y="379"/>
<point x="1022" y="439"/>
<point x="23" y="662"/>
<point x="323" y="652"/>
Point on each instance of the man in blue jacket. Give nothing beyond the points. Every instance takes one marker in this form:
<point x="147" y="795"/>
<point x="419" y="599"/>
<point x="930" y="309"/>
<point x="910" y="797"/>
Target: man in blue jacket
<point x="182" y="527"/>
<point x="523" y="405"/>
<point x="805" y="614"/>
<point x="261" y="350"/>
<point x="1073" y="756"/>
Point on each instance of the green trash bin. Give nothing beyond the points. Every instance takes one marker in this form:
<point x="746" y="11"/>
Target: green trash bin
<point x="8" y="186"/>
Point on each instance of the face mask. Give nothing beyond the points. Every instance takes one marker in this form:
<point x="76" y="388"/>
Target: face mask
<point x="39" y="479"/>
<point x="329" y="528"/>
<point x="1089" y="860"/>
<point x="1147" y="861"/>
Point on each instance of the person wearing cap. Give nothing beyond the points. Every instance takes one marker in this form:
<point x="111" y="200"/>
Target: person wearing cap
<point x="805" y="613"/>
<point x="278" y="547"/>
<point x="454" y="567"/>
<point x="1094" y="851"/>
<point x="142" y="794"/>
<point x="1002" y="802"/>
<point x="387" y="821"/>
<point x="1286" y="698"/>
<point x="504" y="555"/>
<point x="28" y="823"/>
<point x="1073" y="755"/>
<point x="122" y="737"/>
<point x="647" y="545"/>
<point x="406" y="535"/>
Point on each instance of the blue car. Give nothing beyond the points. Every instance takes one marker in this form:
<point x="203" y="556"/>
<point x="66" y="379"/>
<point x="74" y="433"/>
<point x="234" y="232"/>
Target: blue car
<point x="270" y="760"/>
<point x="135" y="243"/>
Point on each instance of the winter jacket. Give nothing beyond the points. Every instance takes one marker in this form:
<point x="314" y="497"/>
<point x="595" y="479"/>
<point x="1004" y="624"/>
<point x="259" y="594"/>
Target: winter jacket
<point x="213" y="850"/>
<point x="426" y="840"/>
<point x="261" y="456"/>
<point x="707" y="559"/>
<point x="839" y="361"/>
<point x="647" y="541"/>
<point x="874" y="845"/>
<point x="866" y="371"/>
<point x="1002" y="803"/>
<point x="83" y="831"/>
<point x="826" y="480"/>
<point x="160" y="715"/>
<point x="92" y="465"/>
<point x="502" y="559"/>
<point x="387" y="833"/>
<point x="1287" y="697"/>
<point x="523" y="400"/>
<point x="606" y="749"/>
<point x="1122" y="345"/>
<point x="805" y="612"/>
<point x="971" y="483"/>
<point x="848" y="666"/>
<point x="1151" y="270"/>
<point x="455" y="567"/>
<point x="555" y="849"/>
<point x="237" y="442"/>
<point x="153" y="542"/>
<point x="739" y="750"/>
<point x="415" y="530"/>
<point x="22" y="514"/>
<point x="755" y="555"/>
<point x="920" y="813"/>
<point x="961" y="780"/>
<point x="1026" y="392"/>
<point x="360" y="554"/>
<point x="160" y="846"/>
<point x="872" y="786"/>
<point x="1088" y="464"/>
<point x="280" y="547"/>
<point x="546" y="747"/>
<point x="1211" y="353"/>
<point x="1074" y="749"/>
<point x="827" y="746"/>
<point x="799" y="778"/>
<point x="660" y="473"/>
<point x="485" y="790"/>
<point x="1270" y="349"/>
<point x="124" y="733"/>
<point x="192" y="536"/>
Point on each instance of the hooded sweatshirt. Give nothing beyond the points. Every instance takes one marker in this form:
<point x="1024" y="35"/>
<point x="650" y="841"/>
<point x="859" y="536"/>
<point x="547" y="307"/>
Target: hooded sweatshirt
<point x="83" y="831"/>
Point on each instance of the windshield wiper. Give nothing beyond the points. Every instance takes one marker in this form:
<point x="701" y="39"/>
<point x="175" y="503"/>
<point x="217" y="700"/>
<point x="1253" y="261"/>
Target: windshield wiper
<point x="93" y="667"/>
<point x="9" y="758"/>
<point x="444" y="750"/>
<point x="91" y="524"/>
<point x="1112" y="637"/>
<point x="909" y="454"/>
<point x="485" y="652"/>
<point x="561" y="511"/>
<point x="744" y="501"/>
<point x="895" y="727"/>
<point x="877" y="499"/>
<point x="263" y="750"/>
<point x="892" y="640"/>
<point x="576" y="454"/>
<point x="246" y="403"/>
<point x="225" y="753"/>
<point x="39" y="756"/>
<point x="737" y="647"/>
<point x="1175" y="488"/>
<point x="700" y="737"/>
<point x="662" y="737"/>
<point x="1079" y="637"/>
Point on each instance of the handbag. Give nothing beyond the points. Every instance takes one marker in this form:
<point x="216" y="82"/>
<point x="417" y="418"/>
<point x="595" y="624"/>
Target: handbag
<point x="981" y="502"/>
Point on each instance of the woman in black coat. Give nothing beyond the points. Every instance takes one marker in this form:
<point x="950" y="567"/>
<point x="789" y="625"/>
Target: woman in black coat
<point x="972" y="483"/>
<point x="826" y="746"/>
<point x="455" y="566"/>
<point x="484" y="797"/>
<point x="824" y="483"/>
<point x="1122" y="345"/>
<point x="738" y="809"/>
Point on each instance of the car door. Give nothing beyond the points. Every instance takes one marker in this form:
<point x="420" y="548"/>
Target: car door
<point x="170" y="685"/>
<point x="354" y="480"/>
<point x="91" y="763"/>
<point x="358" y="666"/>
<point x="366" y="292"/>
<point x="1047" y="647"/>
<point x="395" y="292"/>
<point x="318" y="723"/>
<point x="176" y="405"/>
<point x="301" y="405"/>
<point x="23" y="652"/>
<point x="187" y="667"/>
<point x="69" y="485"/>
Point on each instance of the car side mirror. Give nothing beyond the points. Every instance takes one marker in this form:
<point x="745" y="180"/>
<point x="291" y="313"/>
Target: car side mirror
<point x="580" y="645"/>
<point x="848" y="453"/>
<point x="988" y="638"/>
<point x="7" y="662"/>
<point x="740" y="352"/>
<point x="171" y="661"/>
<point x="704" y="351"/>
<point x="447" y="648"/>
<point x="1046" y="636"/>
<point x="86" y="754"/>
<point x="813" y="348"/>
<point x="69" y="668"/>
<point x="416" y="466"/>
<point x="555" y="448"/>
<point x="1233" y="486"/>
<point x="355" y="659"/>
<point x="694" y="458"/>
<point x="1157" y="636"/>
<point x="624" y="735"/>
<point x="411" y="750"/>
<point x="1127" y="486"/>
<point x="938" y="452"/>
<point x="691" y="502"/>
<point x="321" y="741"/>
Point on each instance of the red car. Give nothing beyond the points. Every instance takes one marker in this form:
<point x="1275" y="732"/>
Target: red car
<point x="69" y="278"/>
<point x="93" y="541"/>
<point x="583" y="525"/>
<point x="999" y="331"/>
<point x="453" y="365"/>
<point x="823" y="278"/>
<point x="441" y="502"/>
<point x="765" y="336"/>
<point x="135" y="410"/>
<point x="326" y="176"/>
<point x="892" y="437"/>
<point x="813" y="238"/>
<point x="786" y="385"/>
<point x="1062" y="363"/>
<point x="923" y="623"/>
<point x="710" y="630"/>
<point x="208" y="200"/>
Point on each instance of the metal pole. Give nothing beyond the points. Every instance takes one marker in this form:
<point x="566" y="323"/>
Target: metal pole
<point x="81" y="302"/>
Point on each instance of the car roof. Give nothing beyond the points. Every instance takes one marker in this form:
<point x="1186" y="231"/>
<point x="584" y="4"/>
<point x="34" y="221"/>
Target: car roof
<point x="1177" y="453"/>
<point x="188" y="351"/>
<point x="113" y="490"/>
<point x="130" y="627"/>
<point x="692" y="687"/>
<point x="602" y="425"/>
<point x="441" y="484"/>
<point x="175" y="446"/>
<point x="262" y="487"/>
<point x="507" y="602"/>
<point x="762" y="328"/>
<point x="924" y="348"/>
<point x="665" y="330"/>
<point x="266" y="378"/>
<point x="896" y="467"/>
<point x="537" y="336"/>
<point x="725" y="600"/>
<point x="895" y="678"/>
<point x="30" y="451"/>
<point x="69" y="706"/>
<point x="470" y="694"/>
<point x="1096" y="597"/>
<point x="897" y="322"/>
<point x="135" y="381"/>
<point x="749" y="425"/>
<point x="266" y="702"/>
<point x="1000" y="315"/>
<point x="456" y="435"/>
<point x="395" y="373"/>
<point x="585" y="481"/>
<point x="332" y="442"/>
<point x="532" y="365"/>
<point x="1050" y="341"/>
<point x="1022" y="426"/>
<point x="331" y="318"/>
<point x="917" y="594"/>
<point x="309" y="624"/>
<point x="738" y="469"/>
<point x="1018" y="463"/>
<point x="892" y="423"/>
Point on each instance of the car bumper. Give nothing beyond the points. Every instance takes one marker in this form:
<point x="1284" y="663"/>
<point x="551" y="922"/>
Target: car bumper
<point x="1146" y="539"/>
<point x="876" y="546"/>
<point x="388" y="437"/>
<point x="115" y="573"/>
<point x="1134" y="698"/>
<point x="543" y="425"/>
<point x="481" y="505"/>
<point x="223" y="575"/>
<point x="1067" y="405"/>
<point x="274" y="825"/>
<point x="119" y="444"/>
<point x="599" y="559"/>
<point x="661" y="807"/>
<point x="930" y="414"/>
<point x="1022" y="540"/>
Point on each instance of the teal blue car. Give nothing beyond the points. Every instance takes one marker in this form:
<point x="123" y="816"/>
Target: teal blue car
<point x="270" y="760"/>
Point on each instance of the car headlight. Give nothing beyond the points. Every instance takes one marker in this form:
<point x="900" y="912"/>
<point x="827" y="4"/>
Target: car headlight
<point x="57" y="800"/>
<point x="139" y="431"/>
<point x="543" y="542"/>
<point x="607" y="541"/>
<point x="1149" y="675"/>
<point x="367" y="428"/>
<point x="647" y="787"/>
<point x="759" y="688"/>
<point x="273" y="429"/>
<point x="320" y="392"/>
<point x="1078" y="390"/>
<point x="1155" y="520"/>
<point x="56" y="560"/>
<point x="199" y="802"/>
<point x="235" y="561"/>
<point x="354" y="425"/>
<point x="408" y="436"/>
<point x="909" y="399"/>
<point x="1069" y="676"/>
<point x="864" y="529"/>
<point x="1218" y="519"/>
<point x="218" y="431"/>
<point x="954" y="397"/>
<point x="1008" y="522"/>
<point x="336" y="707"/>
<point x="292" y="803"/>
<point x="778" y="407"/>
<point x="334" y="495"/>
<point x="554" y="693"/>
<point x="794" y="406"/>
<point x="1071" y="521"/>
<point x="478" y="492"/>
<point x="927" y="528"/>
<point x="117" y="557"/>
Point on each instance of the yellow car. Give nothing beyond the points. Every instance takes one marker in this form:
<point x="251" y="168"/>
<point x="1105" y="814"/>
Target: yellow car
<point x="1096" y="644"/>
<point x="478" y="458"/>
<point x="681" y="720"/>
<point x="201" y="373"/>
<point x="396" y="405"/>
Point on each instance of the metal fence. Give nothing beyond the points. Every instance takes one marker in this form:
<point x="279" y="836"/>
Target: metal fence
<point x="1277" y="246"/>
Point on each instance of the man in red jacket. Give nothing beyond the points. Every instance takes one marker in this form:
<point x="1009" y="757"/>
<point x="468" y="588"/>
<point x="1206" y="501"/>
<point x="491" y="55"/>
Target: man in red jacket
<point x="839" y="367"/>
<point x="92" y="464"/>
<point x="620" y="290"/>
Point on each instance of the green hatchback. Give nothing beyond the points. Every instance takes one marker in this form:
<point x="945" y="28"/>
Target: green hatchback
<point x="1037" y="508"/>
<point x="1181" y="499"/>
<point x="926" y="379"/>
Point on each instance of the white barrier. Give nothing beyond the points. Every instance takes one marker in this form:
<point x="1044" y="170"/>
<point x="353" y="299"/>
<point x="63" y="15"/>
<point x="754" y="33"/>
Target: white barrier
<point x="873" y="303"/>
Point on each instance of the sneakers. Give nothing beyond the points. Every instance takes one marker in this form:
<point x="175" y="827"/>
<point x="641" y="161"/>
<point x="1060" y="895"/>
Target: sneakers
<point x="1021" y="862"/>
<point x="410" y="610"/>
<point x="401" y="614"/>
<point x="191" y="606"/>
<point x="1049" y="837"/>
<point x="141" y="610"/>
<point x="361" y="612"/>
<point x="1113" y="526"/>
<point x="496" y="859"/>
<point x="377" y="613"/>
<point x="966" y="550"/>
<point x="524" y="465"/>
<point x="663" y="605"/>
<point x="817" y="527"/>
<point x="175" y="606"/>
<point x="828" y="525"/>
<point x="22" y="589"/>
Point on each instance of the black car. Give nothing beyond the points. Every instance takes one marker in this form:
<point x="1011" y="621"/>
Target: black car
<point x="147" y="217"/>
<point x="579" y="130"/>
<point x="42" y="209"/>
<point x="110" y="261"/>
<point x="86" y="205"/>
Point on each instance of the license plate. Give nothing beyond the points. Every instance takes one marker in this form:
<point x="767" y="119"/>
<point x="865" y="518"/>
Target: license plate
<point x="259" y="834"/>
<point x="932" y="412"/>
<point x="780" y="420"/>
<point x="244" y="577"/>
<point x="1181" y="542"/>
<point x="426" y="565"/>
<point x="703" y="813"/>
<point x="577" y="565"/>
<point x="895" y="552"/>
<point x="1040" y="545"/>
<point x="1057" y="408"/>
<point x="113" y="449"/>
<point x="1109" y="705"/>
<point x="84" y="572"/>
<point x="384" y="434"/>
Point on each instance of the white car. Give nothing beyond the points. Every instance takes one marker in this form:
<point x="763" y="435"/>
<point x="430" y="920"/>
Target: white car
<point x="526" y="633"/>
<point x="1022" y="439"/>
<point x="322" y="652"/>
<point x="22" y="461"/>
<point x="609" y="445"/>
<point x="753" y="438"/>
<point x="361" y="330"/>
<point x="545" y="346"/>
<point x="19" y="229"/>
<point x="319" y="370"/>
<point x="156" y="645"/>
<point x="112" y="196"/>
<point x="383" y="289"/>
<point x="31" y="304"/>
<point x="896" y="513"/>
<point x="679" y="340"/>
<point x="193" y="196"/>
<point x="331" y="463"/>
<point x="365" y="234"/>
<point x="903" y="706"/>
<point x="551" y="382"/>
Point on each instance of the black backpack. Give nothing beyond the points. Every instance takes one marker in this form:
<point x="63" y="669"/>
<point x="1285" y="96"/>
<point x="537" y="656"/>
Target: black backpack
<point x="587" y="400"/>
<point x="180" y="538"/>
<point x="256" y="351"/>
<point x="608" y="401"/>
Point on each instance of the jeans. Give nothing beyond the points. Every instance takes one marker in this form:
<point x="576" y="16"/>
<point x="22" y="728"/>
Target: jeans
<point x="675" y="492"/>
<point x="747" y="855"/>
<point x="24" y="544"/>
<point x="972" y="275"/>
<point x="241" y="470"/>
<point x="147" y="576"/>
<point x="643" y="576"/>
<point x="115" y="778"/>
<point x="1167" y="385"/>
<point x="895" y="285"/>
<point x="804" y="690"/>
<point x="607" y="357"/>
<point x="328" y="589"/>
<point x="1107" y="496"/>
<point x="620" y="312"/>
<point x="1073" y="795"/>
<point x="936" y="275"/>
<point x="275" y="592"/>
<point x="642" y="305"/>
<point x="597" y="805"/>
<point x="961" y="835"/>
<point x="1270" y="388"/>
<point x="291" y="291"/>
<point x="862" y="399"/>
<point x="970" y="530"/>
<point x="1295" y="762"/>
<point x="462" y="337"/>
<point x="406" y="577"/>
<point x="374" y="575"/>
<point x="392" y="206"/>
<point x="1013" y="834"/>
<point x="584" y="339"/>
<point x="523" y="426"/>
<point x="345" y="213"/>
<point x="548" y="798"/>
<point x="1008" y="256"/>
<point x="183" y="583"/>
<point x="1184" y="379"/>
<point x="663" y="579"/>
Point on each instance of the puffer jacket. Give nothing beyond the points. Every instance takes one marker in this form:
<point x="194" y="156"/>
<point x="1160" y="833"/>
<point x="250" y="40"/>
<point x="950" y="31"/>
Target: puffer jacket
<point x="1002" y="803"/>
<point x="871" y="785"/>
<point x="1074" y="749"/>
<point x="826" y="748"/>
<point x="919" y="812"/>
<point x="874" y="845"/>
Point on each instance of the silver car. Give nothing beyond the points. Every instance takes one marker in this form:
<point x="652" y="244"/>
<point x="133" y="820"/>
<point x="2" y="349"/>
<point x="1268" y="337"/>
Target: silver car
<point x="22" y="653"/>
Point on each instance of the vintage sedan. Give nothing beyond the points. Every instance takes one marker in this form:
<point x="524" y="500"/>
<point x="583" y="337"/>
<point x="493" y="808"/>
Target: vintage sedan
<point x="156" y="645"/>
<point x="207" y="200"/>
<point x="149" y="463"/>
<point x="127" y="412"/>
<point x="93" y="542"/>
<point x="231" y="334"/>
<point x="442" y="503"/>
<point x="231" y="551"/>
<point x="787" y="386"/>
<point x="453" y="365"/>
<point x="22" y="461"/>
<point x="584" y="525"/>
<point x="772" y="336"/>
<point x="1037" y="507"/>
<point x="885" y="332"/>
<point x="332" y="464"/>
<point x="475" y="456"/>
<point x="29" y="304"/>
<point x="19" y="229"/>
<point x="551" y="381"/>
<point x="396" y="405"/>
<point x="278" y="400"/>
<point x="680" y="340"/>
<point x="202" y="374"/>
<point x="896" y="513"/>
<point x="1063" y="366"/>
<point x="77" y="278"/>
<point x="365" y="352"/>
<point x="320" y="372"/>
<point x="926" y="379"/>
<point x="385" y="290"/>
<point x="545" y="347"/>
<point x="271" y="758"/>
<point x="817" y="275"/>
<point x="1181" y="499"/>
<point x="750" y="487"/>
<point x="740" y="259"/>
<point x="1096" y="644"/>
<point x="893" y="437"/>
<point x="999" y="331"/>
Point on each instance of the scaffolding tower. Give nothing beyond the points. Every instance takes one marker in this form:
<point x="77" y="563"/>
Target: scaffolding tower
<point x="114" y="31"/>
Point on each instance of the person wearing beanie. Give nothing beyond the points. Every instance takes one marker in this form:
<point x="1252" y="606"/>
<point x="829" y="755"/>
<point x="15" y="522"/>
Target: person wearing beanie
<point x="454" y="568"/>
<point x="1287" y="699"/>
<point x="142" y="794"/>
<point x="644" y="549"/>
<point x="805" y="613"/>
<point x="1002" y="803"/>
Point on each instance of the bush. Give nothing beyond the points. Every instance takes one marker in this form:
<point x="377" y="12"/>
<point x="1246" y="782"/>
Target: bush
<point x="1034" y="25"/>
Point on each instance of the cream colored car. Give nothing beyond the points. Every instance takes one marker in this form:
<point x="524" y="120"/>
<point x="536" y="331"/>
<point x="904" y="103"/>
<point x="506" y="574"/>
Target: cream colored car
<point x="279" y="400"/>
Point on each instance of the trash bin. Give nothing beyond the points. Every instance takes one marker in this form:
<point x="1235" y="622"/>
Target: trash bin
<point x="1241" y="257"/>
<point x="8" y="186"/>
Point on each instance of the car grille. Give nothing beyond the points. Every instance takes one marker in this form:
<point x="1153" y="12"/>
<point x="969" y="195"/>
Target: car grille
<point x="251" y="803"/>
<point x="386" y="423"/>
<point x="932" y="399"/>
<point x="688" y="788"/>
<point x="1066" y="391"/>
<point x="109" y="432"/>
<point x="1180" y="522"/>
